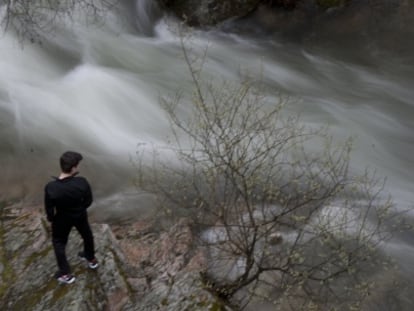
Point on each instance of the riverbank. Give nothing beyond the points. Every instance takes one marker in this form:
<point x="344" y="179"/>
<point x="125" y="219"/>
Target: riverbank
<point x="141" y="267"/>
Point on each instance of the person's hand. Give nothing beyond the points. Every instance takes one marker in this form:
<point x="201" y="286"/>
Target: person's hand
<point x="47" y="226"/>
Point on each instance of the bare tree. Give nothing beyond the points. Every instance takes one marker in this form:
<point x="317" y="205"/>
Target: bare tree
<point x="274" y="201"/>
<point x="31" y="19"/>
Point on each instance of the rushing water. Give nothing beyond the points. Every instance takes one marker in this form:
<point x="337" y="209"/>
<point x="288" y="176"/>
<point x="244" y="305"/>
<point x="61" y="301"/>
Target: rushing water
<point x="97" y="89"/>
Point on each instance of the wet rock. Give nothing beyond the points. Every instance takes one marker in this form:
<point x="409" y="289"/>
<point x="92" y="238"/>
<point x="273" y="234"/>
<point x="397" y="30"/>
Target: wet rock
<point x="299" y="19"/>
<point x="209" y="12"/>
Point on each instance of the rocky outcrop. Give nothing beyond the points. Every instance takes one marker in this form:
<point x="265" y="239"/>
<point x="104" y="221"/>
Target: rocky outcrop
<point x="212" y="12"/>
<point x="141" y="267"/>
<point x="289" y="15"/>
<point x="209" y="12"/>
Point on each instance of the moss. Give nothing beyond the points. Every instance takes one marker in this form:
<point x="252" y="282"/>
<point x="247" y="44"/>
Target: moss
<point x="7" y="274"/>
<point x="17" y="220"/>
<point x="35" y="297"/>
<point x="217" y="306"/>
<point x="58" y="293"/>
<point x="33" y="257"/>
<point x="196" y="302"/>
<point x="202" y="303"/>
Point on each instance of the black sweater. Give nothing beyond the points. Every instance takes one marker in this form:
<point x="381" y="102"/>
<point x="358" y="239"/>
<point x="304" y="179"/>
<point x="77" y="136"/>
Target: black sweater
<point x="70" y="196"/>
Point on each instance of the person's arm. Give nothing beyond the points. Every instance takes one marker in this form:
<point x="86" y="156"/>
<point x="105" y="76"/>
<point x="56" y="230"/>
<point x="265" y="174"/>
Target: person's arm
<point x="49" y="207"/>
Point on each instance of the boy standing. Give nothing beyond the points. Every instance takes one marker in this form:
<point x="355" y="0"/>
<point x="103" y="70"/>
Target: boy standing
<point x="66" y="200"/>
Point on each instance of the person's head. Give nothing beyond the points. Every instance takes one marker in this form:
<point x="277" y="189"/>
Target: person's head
<point x="69" y="160"/>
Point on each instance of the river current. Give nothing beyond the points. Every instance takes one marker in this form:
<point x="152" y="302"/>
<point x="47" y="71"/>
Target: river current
<point x="97" y="90"/>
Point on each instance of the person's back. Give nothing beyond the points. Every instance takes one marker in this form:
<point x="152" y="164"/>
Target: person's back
<point x="70" y="196"/>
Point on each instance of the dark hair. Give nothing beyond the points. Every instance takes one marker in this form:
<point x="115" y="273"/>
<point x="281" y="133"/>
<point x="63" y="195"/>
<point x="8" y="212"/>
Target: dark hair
<point x="68" y="160"/>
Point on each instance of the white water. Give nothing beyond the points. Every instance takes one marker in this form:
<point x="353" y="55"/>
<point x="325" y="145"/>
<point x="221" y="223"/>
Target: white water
<point x="96" y="90"/>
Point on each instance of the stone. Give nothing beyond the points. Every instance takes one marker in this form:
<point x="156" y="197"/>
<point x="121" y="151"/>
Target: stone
<point x="141" y="268"/>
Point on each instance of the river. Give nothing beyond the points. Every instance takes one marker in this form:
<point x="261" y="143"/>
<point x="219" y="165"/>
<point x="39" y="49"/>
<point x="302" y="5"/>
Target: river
<point x="96" y="89"/>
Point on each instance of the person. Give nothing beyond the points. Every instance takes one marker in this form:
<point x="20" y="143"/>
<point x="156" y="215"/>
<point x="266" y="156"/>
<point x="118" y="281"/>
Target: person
<point x="66" y="200"/>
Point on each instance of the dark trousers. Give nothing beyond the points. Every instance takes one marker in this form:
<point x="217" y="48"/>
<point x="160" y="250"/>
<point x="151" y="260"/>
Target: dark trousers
<point x="61" y="227"/>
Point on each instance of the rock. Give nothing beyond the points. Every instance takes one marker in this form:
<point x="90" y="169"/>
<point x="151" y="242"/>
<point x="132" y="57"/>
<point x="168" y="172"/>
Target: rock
<point x="141" y="267"/>
<point x="27" y="255"/>
<point x="312" y="22"/>
<point x="209" y="12"/>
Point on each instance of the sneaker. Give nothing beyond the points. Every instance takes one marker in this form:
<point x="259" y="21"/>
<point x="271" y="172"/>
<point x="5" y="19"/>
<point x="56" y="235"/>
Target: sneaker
<point x="92" y="264"/>
<point x="66" y="279"/>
